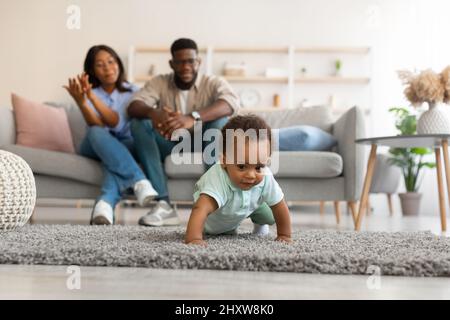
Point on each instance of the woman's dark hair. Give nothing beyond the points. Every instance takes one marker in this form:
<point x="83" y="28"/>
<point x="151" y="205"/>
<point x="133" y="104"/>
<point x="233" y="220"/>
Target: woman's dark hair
<point x="89" y="63"/>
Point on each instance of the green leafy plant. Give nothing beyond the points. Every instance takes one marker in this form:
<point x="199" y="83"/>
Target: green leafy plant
<point x="338" y="65"/>
<point x="410" y="160"/>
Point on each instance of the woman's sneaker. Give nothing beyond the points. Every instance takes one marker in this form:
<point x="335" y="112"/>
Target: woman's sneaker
<point x="161" y="215"/>
<point x="144" y="192"/>
<point x="102" y="214"/>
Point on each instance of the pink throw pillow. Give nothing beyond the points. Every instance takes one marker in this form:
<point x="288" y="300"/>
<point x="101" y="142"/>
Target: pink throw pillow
<point x="41" y="126"/>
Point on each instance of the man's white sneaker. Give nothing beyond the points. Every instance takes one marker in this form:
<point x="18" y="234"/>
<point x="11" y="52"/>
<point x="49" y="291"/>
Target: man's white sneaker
<point x="103" y="213"/>
<point x="144" y="192"/>
<point x="161" y="215"/>
<point x="261" y="230"/>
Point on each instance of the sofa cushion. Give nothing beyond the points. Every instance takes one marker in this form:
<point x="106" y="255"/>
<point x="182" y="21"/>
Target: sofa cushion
<point x="77" y="124"/>
<point x="41" y="126"/>
<point x="59" y="164"/>
<point x="304" y="138"/>
<point x="306" y="164"/>
<point x="290" y="164"/>
<point x="183" y="171"/>
<point x="317" y="116"/>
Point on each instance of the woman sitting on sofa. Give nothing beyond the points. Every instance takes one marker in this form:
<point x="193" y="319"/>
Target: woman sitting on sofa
<point x="102" y="93"/>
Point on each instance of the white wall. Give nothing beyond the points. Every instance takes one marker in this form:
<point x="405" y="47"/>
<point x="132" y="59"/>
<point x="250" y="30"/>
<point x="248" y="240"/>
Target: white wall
<point x="38" y="53"/>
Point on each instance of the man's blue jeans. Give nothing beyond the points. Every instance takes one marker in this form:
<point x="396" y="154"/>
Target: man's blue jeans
<point x="152" y="149"/>
<point x="119" y="167"/>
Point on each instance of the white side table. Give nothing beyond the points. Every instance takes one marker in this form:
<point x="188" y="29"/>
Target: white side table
<point x="434" y="141"/>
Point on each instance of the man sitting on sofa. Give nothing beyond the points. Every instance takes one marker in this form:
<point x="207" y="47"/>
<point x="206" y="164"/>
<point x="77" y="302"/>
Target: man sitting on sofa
<point x="175" y="101"/>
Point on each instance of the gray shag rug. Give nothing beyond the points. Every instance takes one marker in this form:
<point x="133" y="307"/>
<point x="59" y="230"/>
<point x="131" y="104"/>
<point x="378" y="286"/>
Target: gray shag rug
<point x="313" y="251"/>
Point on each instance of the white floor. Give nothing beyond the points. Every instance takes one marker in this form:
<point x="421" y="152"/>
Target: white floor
<point x="57" y="282"/>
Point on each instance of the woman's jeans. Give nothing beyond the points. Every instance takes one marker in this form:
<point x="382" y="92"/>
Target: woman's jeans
<point x="119" y="167"/>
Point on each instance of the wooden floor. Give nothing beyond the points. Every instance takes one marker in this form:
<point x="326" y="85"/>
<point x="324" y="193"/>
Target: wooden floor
<point x="54" y="282"/>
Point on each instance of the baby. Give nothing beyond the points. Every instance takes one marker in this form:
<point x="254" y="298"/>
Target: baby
<point x="240" y="186"/>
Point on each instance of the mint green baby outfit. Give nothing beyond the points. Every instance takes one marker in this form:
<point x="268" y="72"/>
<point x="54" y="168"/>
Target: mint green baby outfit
<point x="235" y="204"/>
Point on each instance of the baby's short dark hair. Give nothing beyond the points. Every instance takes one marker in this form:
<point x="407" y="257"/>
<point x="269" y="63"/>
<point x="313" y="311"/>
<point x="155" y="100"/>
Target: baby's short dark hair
<point x="245" y="123"/>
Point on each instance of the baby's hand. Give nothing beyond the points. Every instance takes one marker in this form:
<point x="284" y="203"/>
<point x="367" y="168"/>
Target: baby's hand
<point x="284" y="239"/>
<point x="198" y="242"/>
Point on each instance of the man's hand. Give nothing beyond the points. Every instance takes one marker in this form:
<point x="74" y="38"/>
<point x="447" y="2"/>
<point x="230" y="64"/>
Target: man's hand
<point x="159" y="119"/>
<point x="282" y="238"/>
<point x="177" y="121"/>
<point x="198" y="242"/>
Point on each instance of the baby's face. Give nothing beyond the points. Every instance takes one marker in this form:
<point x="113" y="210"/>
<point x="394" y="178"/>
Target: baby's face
<point x="248" y="167"/>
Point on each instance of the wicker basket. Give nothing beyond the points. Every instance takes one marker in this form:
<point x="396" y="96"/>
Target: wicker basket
<point x="17" y="191"/>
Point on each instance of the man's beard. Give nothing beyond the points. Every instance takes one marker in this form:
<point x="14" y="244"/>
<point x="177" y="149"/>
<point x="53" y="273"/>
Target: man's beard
<point x="184" y="85"/>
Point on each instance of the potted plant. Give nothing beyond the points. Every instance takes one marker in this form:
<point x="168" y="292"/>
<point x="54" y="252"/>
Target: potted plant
<point x="303" y="71"/>
<point x="410" y="160"/>
<point x="337" y="67"/>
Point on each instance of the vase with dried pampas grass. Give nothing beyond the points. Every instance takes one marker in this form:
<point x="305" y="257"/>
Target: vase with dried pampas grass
<point x="434" y="89"/>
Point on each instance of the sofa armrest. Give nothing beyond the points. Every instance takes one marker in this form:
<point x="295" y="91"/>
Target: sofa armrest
<point x="7" y="126"/>
<point x="349" y="127"/>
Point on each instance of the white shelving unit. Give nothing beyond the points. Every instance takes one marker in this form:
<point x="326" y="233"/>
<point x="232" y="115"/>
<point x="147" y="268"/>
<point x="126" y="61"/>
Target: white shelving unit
<point x="290" y="56"/>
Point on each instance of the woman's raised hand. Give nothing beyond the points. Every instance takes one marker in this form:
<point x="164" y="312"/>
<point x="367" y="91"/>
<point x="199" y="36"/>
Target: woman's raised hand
<point x="76" y="91"/>
<point x="83" y="79"/>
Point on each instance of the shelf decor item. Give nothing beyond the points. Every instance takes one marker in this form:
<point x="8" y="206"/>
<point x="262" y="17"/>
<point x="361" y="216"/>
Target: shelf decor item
<point x="250" y="98"/>
<point x="17" y="191"/>
<point x="303" y="71"/>
<point x="276" y="73"/>
<point x="276" y="100"/>
<point x="434" y="89"/>
<point x="337" y="68"/>
<point x="151" y="70"/>
<point x="236" y="70"/>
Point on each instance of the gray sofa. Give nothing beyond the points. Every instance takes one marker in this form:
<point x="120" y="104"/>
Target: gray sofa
<point x="303" y="176"/>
